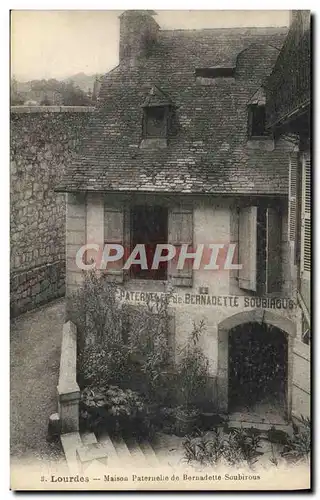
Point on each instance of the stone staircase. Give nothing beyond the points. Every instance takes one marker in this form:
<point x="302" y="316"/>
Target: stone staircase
<point x="84" y="452"/>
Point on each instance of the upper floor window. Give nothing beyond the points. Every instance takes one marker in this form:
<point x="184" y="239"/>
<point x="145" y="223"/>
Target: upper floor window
<point x="210" y="76"/>
<point x="218" y="72"/>
<point x="155" y="125"/>
<point x="257" y="120"/>
<point x="157" y="112"/>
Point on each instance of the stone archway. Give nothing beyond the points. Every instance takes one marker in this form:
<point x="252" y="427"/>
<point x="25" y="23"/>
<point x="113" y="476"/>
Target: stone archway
<point x="253" y="316"/>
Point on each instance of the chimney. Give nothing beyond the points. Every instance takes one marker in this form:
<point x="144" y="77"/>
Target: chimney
<point x="138" y="33"/>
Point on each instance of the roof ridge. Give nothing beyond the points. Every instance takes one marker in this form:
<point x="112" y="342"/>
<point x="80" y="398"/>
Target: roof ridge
<point x="223" y="29"/>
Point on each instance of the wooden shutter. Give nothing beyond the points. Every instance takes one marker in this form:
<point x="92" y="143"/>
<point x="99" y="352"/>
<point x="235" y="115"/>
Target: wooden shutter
<point x="113" y="233"/>
<point x="273" y="250"/>
<point x="248" y="248"/>
<point x="306" y="216"/>
<point x="180" y="231"/>
<point x="292" y="219"/>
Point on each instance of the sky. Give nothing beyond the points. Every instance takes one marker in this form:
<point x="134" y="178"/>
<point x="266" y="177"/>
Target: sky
<point x="57" y="44"/>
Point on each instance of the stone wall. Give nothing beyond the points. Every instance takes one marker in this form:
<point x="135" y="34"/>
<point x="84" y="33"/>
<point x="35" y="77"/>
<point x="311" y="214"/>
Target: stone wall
<point x="43" y="141"/>
<point x="301" y="380"/>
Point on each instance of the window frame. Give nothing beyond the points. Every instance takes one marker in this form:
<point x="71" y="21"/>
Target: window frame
<point x="250" y="125"/>
<point x="255" y="277"/>
<point x="134" y="275"/>
<point x="166" y="122"/>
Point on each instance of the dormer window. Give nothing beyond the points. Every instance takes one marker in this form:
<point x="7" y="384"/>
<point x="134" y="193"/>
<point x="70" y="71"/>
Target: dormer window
<point x="214" y="75"/>
<point x="257" y="121"/>
<point x="157" y="111"/>
<point x="155" y="122"/>
<point x="217" y="72"/>
<point x="256" y="108"/>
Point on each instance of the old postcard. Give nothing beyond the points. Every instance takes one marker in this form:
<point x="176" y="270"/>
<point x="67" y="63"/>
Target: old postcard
<point x="160" y="250"/>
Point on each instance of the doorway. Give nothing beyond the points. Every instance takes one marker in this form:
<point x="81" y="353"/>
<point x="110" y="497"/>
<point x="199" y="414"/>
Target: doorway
<point x="258" y="370"/>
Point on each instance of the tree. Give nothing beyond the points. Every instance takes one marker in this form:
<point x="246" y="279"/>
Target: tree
<point x="73" y="95"/>
<point x="15" y="97"/>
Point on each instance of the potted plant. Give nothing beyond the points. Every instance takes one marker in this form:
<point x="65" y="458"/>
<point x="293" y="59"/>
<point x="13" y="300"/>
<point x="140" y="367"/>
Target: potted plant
<point x="192" y="377"/>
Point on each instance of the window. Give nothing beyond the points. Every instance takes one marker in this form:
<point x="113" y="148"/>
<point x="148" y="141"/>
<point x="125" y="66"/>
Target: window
<point x="155" y="122"/>
<point x="257" y="121"/>
<point x="149" y="226"/>
<point x="260" y="249"/>
<point x="157" y="114"/>
<point x="215" y="72"/>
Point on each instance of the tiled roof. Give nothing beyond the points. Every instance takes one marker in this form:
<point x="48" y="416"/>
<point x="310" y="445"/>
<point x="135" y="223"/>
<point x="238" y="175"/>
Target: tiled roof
<point x="207" y="150"/>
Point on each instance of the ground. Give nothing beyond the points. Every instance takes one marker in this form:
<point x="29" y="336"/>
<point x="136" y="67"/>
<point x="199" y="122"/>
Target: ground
<point x="34" y="369"/>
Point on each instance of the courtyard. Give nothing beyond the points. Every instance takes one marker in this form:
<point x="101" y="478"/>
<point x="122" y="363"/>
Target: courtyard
<point x="34" y="369"/>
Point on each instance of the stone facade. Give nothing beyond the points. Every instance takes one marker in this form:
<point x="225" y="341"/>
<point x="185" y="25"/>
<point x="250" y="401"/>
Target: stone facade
<point x="43" y="140"/>
<point x="223" y="305"/>
<point x="218" y="179"/>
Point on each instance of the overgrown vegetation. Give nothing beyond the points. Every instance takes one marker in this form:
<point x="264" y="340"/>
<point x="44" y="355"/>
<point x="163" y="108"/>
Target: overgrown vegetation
<point x="298" y="447"/>
<point x="118" y="409"/>
<point x="121" y="346"/>
<point x="238" y="446"/>
<point x="192" y="369"/>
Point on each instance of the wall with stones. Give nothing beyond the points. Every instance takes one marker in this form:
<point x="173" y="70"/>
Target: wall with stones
<point x="43" y="141"/>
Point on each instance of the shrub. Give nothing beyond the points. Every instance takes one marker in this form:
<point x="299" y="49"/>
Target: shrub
<point x="148" y="340"/>
<point x="236" y="447"/>
<point x="120" y="344"/>
<point x="114" y="409"/>
<point x="242" y="445"/>
<point x="203" y="450"/>
<point x="192" y="369"/>
<point x="298" y="447"/>
<point x="102" y="365"/>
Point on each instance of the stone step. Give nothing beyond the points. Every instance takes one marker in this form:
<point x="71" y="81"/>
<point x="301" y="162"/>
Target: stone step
<point x="114" y="460"/>
<point x="94" y="451"/>
<point x="139" y="458"/>
<point x="122" y="451"/>
<point x="261" y="427"/>
<point x="148" y="451"/>
<point x="70" y="443"/>
<point x="88" y="438"/>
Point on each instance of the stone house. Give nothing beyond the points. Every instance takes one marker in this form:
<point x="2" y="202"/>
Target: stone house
<point x="178" y="152"/>
<point x="288" y="109"/>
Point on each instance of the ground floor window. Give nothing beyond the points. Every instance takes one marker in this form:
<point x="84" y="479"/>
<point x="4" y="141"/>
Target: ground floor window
<point x="260" y="251"/>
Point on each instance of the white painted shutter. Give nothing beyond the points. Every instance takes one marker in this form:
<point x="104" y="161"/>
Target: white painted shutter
<point x="306" y="216"/>
<point x="293" y="171"/>
<point x="180" y="231"/>
<point x="113" y="233"/>
<point x="248" y="248"/>
<point x="273" y="250"/>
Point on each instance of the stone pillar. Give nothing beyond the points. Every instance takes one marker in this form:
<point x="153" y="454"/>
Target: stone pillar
<point x="68" y="389"/>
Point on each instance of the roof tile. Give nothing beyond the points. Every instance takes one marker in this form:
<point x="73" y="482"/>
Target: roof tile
<point x="207" y="148"/>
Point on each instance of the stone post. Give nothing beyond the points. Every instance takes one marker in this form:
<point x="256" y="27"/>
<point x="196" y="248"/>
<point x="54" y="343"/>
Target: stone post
<point x="68" y="389"/>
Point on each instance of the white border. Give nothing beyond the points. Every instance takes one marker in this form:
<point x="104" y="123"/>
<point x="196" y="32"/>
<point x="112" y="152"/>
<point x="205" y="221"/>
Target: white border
<point x="4" y="198"/>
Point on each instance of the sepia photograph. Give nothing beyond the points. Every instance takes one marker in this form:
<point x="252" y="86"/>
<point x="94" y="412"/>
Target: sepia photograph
<point x="160" y="250"/>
